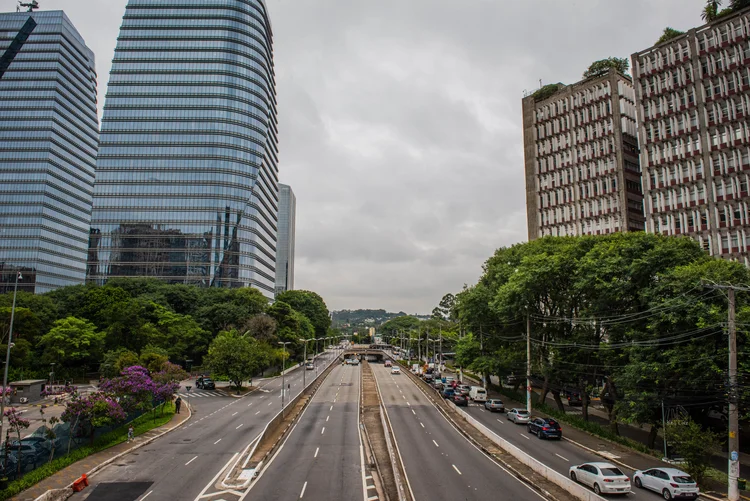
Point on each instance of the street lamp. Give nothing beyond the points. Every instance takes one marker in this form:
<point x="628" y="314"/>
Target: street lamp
<point x="283" y="378"/>
<point x="7" y="353"/>
<point x="304" y="372"/>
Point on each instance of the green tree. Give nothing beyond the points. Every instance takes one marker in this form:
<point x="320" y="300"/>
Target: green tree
<point x="695" y="445"/>
<point x="711" y="10"/>
<point x="72" y="342"/>
<point x="153" y="358"/>
<point x="237" y="357"/>
<point x="262" y="327"/>
<point x="602" y="66"/>
<point x="311" y="305"/>
<point x="669" y="34"/>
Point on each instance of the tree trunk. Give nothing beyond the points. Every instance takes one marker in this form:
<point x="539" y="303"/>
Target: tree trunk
<point x="652" y="436"/>
<point x="558" y="401"/>
<point x="585" y="405"/>
<point x="545" y="389"/>
<point x="609" y="399"/>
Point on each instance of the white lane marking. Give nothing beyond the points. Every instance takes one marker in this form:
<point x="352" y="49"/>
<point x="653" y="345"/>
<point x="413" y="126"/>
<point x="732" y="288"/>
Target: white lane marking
<point x="412" y="411"/>
<point x="524" y="436"/>
<point x="249" y="404"/>
<point x="196" y="457"/>
<point x="436" y="445"/>
<point x="217" y="441"/>
<point x="331" y="408"/>
<point x="558" y="455"/>
<point x="327" y="418"/>
<point x="270" y="403"/>
<point x="323" y="430"/>
<point x="407" y="403"/>
<point x="235" y="414"/>
<point x="421" y="424"/>
<point x="257" y="413"/>
<point x="146" y="495"/>
<point x="500" y="422"/>
<point x="240" y="426"/>
<point x="301" y="494"/>
<point x="481" y="409"/>
<point x="457" y="470"/>
<point x="316" y="452"/>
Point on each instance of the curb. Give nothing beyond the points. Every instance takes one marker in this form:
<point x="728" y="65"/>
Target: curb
<point x="68" y="491"/>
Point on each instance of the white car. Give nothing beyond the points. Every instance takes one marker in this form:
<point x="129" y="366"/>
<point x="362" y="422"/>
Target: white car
<point x="604" y="478"/>
<point x="518" y="416"/>
<point x="395" y="370"/>
<point x="671" y="483"/>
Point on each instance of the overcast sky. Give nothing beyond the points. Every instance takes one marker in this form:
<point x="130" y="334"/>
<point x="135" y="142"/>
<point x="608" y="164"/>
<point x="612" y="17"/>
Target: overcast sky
<point x="400" y="125"/>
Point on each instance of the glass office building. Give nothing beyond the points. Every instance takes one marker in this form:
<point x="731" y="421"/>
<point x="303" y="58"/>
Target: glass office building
<point x="187" y="177"/>
<point x="49" y="132"/>
<point x="285" y="244"/>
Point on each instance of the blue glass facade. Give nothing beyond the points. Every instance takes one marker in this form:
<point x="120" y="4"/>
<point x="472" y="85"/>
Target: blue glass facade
<point x="285" y="243"/>
<point x="49" y="132"/>
<point x="187" y="177"/>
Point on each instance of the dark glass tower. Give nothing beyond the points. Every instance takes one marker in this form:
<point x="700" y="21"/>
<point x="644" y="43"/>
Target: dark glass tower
<point x="49" y="131"/>
<point x="187" y="176"/>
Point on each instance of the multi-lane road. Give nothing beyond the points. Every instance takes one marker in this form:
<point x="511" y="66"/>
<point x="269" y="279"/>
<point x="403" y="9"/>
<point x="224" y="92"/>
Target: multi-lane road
<point x="322" y="457"/>
<point x="438" y="461"/>
<point x="183" y="463"/>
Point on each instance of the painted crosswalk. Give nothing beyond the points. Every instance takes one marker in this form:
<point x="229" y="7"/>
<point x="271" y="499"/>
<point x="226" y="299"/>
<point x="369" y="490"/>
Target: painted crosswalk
<point x="203" y="393"/>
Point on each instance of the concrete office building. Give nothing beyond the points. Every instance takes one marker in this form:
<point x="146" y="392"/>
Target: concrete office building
<point x="581" y="158"/>
<point x="693" y="95"/>
<point x="187" y="177"/>
<point x="49" y="134"/>
<point x="285" y="241"/>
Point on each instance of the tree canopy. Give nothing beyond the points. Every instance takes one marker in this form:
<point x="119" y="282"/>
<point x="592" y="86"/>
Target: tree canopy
<point x="602" y="66"/>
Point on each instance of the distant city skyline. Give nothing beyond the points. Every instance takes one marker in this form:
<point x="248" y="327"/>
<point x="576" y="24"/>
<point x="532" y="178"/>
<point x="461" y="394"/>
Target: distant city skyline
<point x="285" y="244"/>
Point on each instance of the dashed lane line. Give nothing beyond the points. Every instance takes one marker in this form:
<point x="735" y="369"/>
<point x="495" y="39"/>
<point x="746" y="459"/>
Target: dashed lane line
<point x="196" y="457"/>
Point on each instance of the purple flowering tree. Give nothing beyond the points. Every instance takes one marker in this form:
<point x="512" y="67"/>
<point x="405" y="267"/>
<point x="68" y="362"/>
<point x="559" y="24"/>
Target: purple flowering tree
<point x="16" y="424"/>
<point x="134" y="388"/>
<point x="94" y="410"/>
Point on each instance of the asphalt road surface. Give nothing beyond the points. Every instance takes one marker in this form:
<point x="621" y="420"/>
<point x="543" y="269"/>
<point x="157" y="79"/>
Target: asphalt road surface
<point x="182" y="463"/>
<point x="322" y="457"/>
<point x="440" y="463"/>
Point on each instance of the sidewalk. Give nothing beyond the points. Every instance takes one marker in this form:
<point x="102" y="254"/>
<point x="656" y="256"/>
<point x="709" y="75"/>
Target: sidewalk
<point x="613" y="452"/>
<point x="66" y="476"/>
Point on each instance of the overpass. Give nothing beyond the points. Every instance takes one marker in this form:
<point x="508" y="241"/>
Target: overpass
<point x="371" y="352"/>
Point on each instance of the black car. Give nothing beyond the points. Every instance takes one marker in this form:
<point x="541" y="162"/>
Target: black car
<point x="545" y="428"/>
<point x="205" y="384"/>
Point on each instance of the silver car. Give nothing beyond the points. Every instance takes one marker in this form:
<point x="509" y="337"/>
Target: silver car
<point x="518" y="416"/>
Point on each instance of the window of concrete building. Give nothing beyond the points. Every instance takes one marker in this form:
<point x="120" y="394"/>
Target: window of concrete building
<point x="705" y="243"/>
<point x="704" y="218"/>
<point x="691" y="221"/>
<point x="724" y="243"/>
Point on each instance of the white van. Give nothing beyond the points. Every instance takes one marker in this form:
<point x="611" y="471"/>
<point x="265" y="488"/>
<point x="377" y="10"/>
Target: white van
<point x="478" y="394"/>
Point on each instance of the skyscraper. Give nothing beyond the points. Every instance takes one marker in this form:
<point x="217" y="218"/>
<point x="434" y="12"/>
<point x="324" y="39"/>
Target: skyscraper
<point x="693" y="102"/>
<point x="581" y="156"/>
<point x="187" y="177"/>
<point x="285" y="244"/>
<point x="49" y="132"/>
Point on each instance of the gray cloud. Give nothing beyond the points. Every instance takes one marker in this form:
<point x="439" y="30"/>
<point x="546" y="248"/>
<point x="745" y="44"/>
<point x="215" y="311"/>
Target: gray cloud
<point x="400" y="125"/>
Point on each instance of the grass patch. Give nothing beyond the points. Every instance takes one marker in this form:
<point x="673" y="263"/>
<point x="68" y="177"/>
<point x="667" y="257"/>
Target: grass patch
<point x="141" y="425"/>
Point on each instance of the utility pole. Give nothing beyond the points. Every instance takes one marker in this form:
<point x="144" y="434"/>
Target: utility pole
<point x="528" y="363"/>
<point x="441" y="350"/>
<point x="733" y="492"/>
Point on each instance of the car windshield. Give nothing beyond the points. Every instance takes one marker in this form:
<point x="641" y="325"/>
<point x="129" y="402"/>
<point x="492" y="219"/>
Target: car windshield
<point x="612" y="472"/>
<point x="683" y="479"/>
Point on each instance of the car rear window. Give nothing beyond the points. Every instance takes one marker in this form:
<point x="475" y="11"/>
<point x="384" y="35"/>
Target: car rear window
<point x="522" y="413"/>
<point x="612" y="472"/>
<point x="683" y="480"/>
<point x="552" y="422"/>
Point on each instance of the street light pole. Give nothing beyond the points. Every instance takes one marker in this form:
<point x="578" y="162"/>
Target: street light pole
<point x="283" y="376"/>
<point x="7" y="353"/>
<point x="304" y="372"/>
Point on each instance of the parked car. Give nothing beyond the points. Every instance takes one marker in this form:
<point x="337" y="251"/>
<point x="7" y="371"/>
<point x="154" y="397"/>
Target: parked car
<point x="545" y="428"/>
<point x="395" y="370"/>
<point x="494" y="404"/>
<point x="448" y="392"/>
<point x="309" y="366"/>
<point x="460" y="399"/>
<point x="478" y="394"/>
<point x="604" y="478"/>
<point x="463" y="389"/>
<point x="518" y="416"/>
<point x="31" y="456"/>
<point x="205" y="383"/>
<point x="671" y="483"/>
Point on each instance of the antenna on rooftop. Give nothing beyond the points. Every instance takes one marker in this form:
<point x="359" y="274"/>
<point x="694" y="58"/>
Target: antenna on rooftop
<point x="32" y="5"/>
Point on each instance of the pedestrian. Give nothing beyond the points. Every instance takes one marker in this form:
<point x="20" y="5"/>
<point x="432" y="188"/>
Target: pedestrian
<point x="177" y="405"/>
<point x="131" y="433"/>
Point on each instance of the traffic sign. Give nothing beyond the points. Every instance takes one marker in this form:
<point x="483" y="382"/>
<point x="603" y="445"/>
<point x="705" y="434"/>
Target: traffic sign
<point x="188" y="388"/>
<point x="734" y="456"/>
